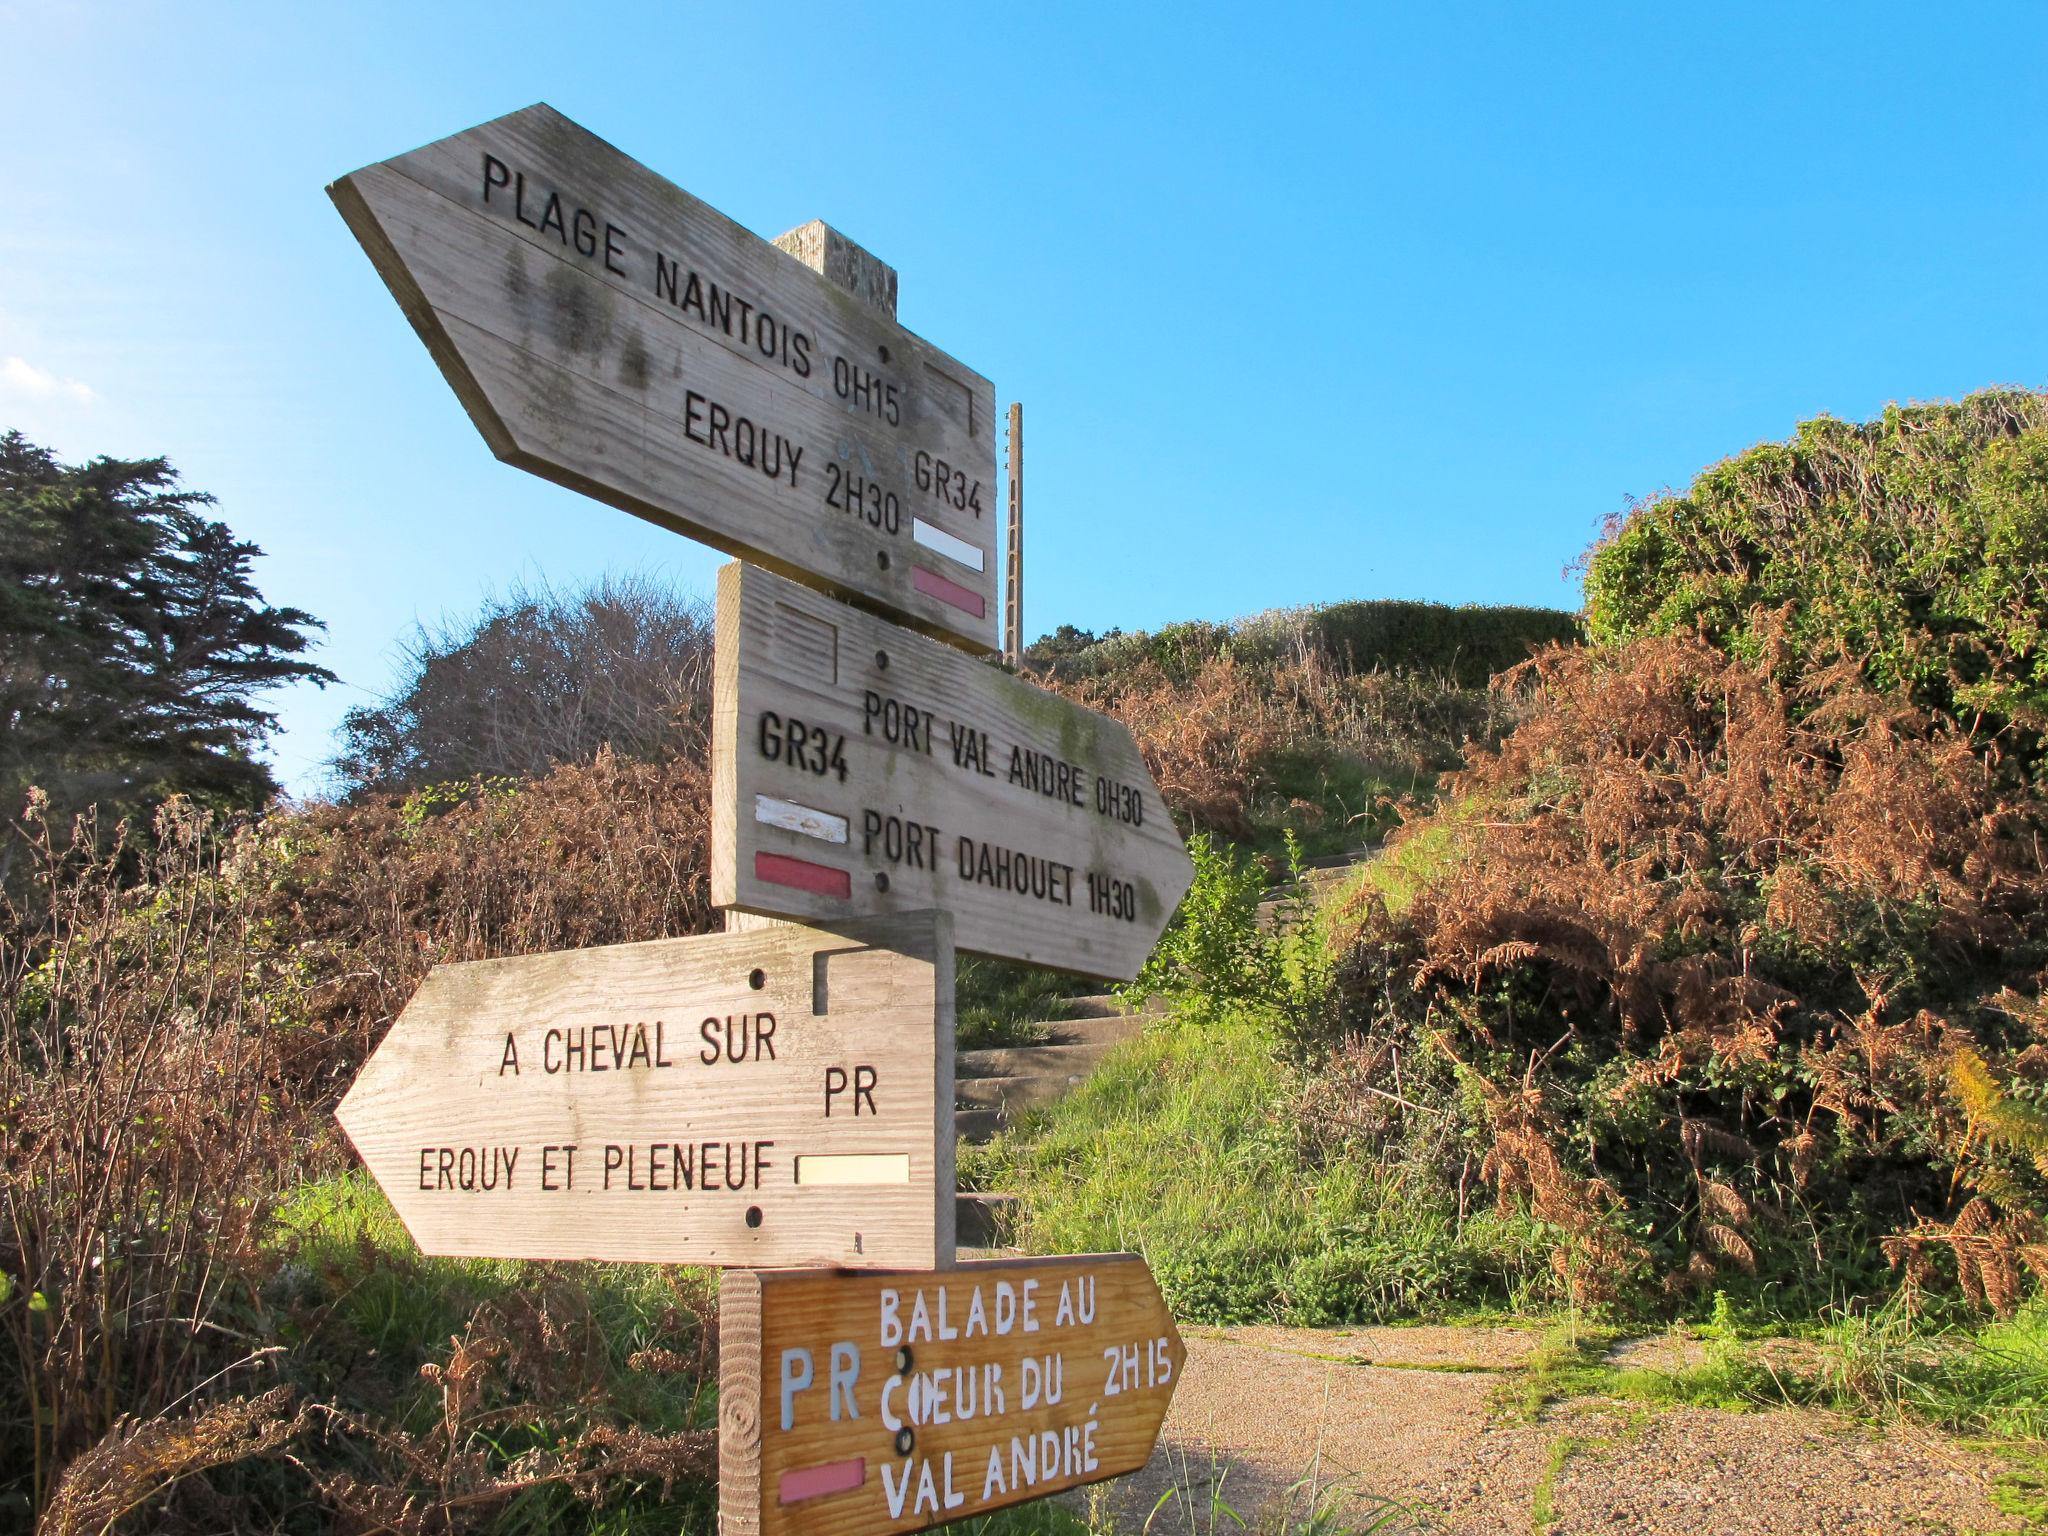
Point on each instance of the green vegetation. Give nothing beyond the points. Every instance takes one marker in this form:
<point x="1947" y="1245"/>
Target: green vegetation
<point x="1205" y="1146"/>
<point x="1701" y="979"/>
<point x="1913" y="548"/>
<point x="1466" y="644"/>
<point x="133" y="642"/>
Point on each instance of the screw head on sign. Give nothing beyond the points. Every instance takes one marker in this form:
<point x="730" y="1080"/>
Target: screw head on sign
<point x="753" y="1215"/>
<point x="882" y="558"/>
<point x="881" y="661"/>
<point x="881" y="882"/>
<point x="904" y="1441"/>
<point x="757" y="979"/>
<point x="903" y="1360"/>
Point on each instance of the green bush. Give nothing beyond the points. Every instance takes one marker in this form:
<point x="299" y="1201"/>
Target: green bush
<point x="1469" y="643"/>
<point x="1217" y="957"/>
<point x="1465" y="645"/>
<point x="1915" y="545"/>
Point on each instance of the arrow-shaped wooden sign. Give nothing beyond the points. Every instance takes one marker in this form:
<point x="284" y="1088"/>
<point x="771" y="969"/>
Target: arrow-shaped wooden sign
<point x="607" y="330"/>
<point x="774" y="1096"/>
<point x="858" y="1405"/>
<point x="859" y="769"/>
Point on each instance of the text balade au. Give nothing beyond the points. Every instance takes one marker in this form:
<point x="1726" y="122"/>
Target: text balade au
<point x="655" y="1166"/>
<point x="710" y="302"/>
<point x="1043" y="1356"/>
<point x="908" y="725"/>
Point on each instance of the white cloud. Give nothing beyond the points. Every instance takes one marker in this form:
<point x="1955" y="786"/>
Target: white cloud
<point x="19" y="376"/>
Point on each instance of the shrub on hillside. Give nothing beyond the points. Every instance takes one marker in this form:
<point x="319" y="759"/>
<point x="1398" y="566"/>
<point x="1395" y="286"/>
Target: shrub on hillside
<point x="1915" y="545"/>
<point x="536" y="680"/>
<point x="1254" y="752"/>
<point x="1464" y="646"/>
<point x="362" y="900"/>
<point x="1708" y="951"/>
<point x="1469" y="643"/>
<point x="172" y="1050"/>
<point x="1738" y="941"/>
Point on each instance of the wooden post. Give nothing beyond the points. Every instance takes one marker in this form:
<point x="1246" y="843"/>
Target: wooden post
<point x="1013" y="591"/>
<point x="837" y="259"/>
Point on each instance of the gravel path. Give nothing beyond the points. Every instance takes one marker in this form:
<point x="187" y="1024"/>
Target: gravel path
<point x="1262" y="1409"/>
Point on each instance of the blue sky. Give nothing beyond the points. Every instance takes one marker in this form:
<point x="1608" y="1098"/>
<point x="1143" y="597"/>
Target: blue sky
<point x="1304" y="303"/>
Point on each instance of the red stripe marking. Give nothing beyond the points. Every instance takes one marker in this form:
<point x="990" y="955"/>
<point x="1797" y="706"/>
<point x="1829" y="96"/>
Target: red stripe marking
<point x="781" y="869"/>
<point x="815" y="1482"/>
<point x="932" y="584"/>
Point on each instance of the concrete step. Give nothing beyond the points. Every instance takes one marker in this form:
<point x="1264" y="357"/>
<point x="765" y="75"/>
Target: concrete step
<point x="1075" y="1061"/>
<point x="1008" y="1095"/>
<point x="983" y="1220"/>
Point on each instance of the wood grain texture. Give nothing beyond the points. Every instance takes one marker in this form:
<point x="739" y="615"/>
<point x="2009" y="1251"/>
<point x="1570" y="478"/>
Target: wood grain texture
<point x="569" y="333"/>
<point x="1013" y="1378"/>
<point x="689" y="1095"/>
<point x="934" y="819"/>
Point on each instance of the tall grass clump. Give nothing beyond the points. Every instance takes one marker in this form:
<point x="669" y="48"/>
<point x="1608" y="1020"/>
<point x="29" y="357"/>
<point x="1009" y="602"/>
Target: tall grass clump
<point x="143" y="1116"/>
<point x="1232" y="1149"/>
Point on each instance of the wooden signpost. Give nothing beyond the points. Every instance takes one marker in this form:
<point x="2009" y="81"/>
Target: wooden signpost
<point x="607" y="330"/>
<point x="857" y="769"/>
<point x="856" y="1404"/>
<point x="778" y="1096"/>
<point x="781" y="1095"/>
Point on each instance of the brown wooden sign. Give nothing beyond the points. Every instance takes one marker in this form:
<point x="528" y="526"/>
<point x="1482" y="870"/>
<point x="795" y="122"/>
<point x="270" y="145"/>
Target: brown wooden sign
<point x="885" y="1402"/>
<point x="607" y="330"/>
<point x="776" y="1096"/>
<point x="858" y="769"/>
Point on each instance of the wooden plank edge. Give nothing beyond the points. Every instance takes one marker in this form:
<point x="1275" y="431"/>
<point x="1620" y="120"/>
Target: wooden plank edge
<point x="364" y="224"/>
<point x="739" y="1403"/>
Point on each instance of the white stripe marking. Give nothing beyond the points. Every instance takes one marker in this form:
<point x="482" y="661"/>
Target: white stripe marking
<point x="791" y="817"/>
<point x="851" y="1168"/>
<point x="944" y="542"/>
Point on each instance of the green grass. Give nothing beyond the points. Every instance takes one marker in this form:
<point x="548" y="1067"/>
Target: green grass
<point x="360" y="1310"/>
<point x="1543" y="1505"/>
<point x="1042" y="1517"/>
<point x="1988" y="1380"/>
<point x="1183" y="1146"/>
<point x="1569" y="1361"/>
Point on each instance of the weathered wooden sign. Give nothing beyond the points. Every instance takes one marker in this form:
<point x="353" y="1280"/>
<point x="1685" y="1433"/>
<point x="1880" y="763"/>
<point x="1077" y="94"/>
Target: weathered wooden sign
<point x="776" y="1096"/>
<point x="887" y="1402"/>
<point x="858" y="769"/>
<point x="607" y="330"/>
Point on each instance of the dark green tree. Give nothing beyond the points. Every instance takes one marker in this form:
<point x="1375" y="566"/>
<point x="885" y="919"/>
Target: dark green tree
<point x="133" y="643"/>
